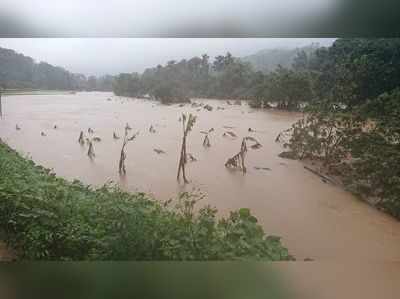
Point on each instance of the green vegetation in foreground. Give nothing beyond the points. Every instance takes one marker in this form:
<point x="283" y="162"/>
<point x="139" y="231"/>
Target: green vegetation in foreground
<point x="49" y="218"/>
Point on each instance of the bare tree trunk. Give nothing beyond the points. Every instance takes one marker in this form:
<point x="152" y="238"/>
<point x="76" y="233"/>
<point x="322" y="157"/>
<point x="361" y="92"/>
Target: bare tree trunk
<point x="122" y="157"/>
<point x="181" y="162"/>
<point x="186" y="128"/>
<point x="184" y="174"/>
<point x="206" y="141"/>
<point x="91" y="150"/>
<point x="184" y="152"/>
<point x="81" y="140"/>
<point x="242" y="159"/>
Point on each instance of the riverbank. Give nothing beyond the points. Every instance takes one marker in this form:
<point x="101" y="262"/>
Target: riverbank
<point x="46" y="217"/>
<point x="35" y="92"/>
<point x="313" y="218"/>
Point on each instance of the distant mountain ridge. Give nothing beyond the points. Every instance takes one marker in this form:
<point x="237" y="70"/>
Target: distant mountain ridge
<point x="18" y="71"/>
<point x="267" y="60"/>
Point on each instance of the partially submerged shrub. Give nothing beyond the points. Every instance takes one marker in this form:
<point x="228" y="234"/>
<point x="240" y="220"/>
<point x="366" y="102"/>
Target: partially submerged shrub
<point x="322" y="135"/>
<point x="238" y="160"/>
<point x="361" y="146"/>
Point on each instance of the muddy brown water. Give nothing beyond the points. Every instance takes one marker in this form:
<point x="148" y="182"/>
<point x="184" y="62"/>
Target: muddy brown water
<point x="315" y="220"/>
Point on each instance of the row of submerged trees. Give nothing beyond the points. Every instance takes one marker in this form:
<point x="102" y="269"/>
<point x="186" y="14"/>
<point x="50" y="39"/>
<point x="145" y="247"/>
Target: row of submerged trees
<point x="353" y="124"/>
<point x="188" y="121"/>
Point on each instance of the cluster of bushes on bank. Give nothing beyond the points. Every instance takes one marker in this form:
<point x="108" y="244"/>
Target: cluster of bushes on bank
<point x="44" y="217"/>
<point x="353" y="127"/>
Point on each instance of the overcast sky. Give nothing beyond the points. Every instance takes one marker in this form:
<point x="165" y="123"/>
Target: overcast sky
<point x="98" y="56"/>
<point x="160" y="18"/>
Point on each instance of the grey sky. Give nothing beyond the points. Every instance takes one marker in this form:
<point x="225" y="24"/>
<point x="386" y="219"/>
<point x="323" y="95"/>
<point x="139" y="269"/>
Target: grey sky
<point x="151" y="18"/>
<point x="159" y="18"/>
<point x="100" y="56"/>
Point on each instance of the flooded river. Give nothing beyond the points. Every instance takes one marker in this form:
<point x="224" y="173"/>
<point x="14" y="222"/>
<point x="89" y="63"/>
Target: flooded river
<point x="316" y="220"/>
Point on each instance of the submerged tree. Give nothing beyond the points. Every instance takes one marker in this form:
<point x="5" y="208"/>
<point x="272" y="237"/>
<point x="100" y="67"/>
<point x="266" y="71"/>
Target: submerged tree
<point x="206" y="140"/>
<point x="122" y="158"/>
<point x="91" y="150"/>
<point x="81" y="138"/>
<point x="152" y="130"/>
<point x="1" y="111"/>
<point x="238" y="160"/>
<point x="187" y="125"/>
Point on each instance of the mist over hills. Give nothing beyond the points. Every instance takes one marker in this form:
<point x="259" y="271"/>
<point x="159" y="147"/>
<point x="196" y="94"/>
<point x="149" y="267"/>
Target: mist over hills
<point x="267" y="60"/>
<point x="18" y="71"/>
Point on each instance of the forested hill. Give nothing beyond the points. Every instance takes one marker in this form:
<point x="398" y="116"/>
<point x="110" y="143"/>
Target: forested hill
<point x="267" y="60"/>
<point x="18" y="71"/>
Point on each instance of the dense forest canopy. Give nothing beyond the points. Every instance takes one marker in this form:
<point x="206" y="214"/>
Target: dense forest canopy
<point x="22" y="72"/>
<point x="353" y="70"/>
<point x="350" y="72"/>
<point x="352" y="125"/>
<point x="224" y="77"/>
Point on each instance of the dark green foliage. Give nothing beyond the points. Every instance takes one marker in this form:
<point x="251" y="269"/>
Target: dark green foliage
<point x="376" y="150"/>
<point x="47" y="218"/>
<point x="366" y="77"/>
<point x="288" y="88"/>
<point x="22" y="72"/>
<point x="353" y="125"/>
<point x="168" y="93"/>
<point x="362" y="146"/>
<point x="323" y="133"/>
<point x="128" y="85"/>
<point x="226" y="77"/>
<point x="19" y="71"/>
<point x="354" y="70"/>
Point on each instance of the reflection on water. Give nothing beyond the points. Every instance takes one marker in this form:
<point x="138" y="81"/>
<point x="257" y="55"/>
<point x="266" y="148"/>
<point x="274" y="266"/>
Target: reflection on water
<point x="315" y="219"/>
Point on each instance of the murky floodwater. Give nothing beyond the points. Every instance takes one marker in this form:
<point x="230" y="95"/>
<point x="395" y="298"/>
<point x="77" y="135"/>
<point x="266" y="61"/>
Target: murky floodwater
<point x="315" y="219"/>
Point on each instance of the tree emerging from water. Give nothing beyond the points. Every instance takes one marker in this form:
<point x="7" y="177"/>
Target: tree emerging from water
<point x="238" y="160"/>
<point x="122" y="157"/>
<point x="187" y="125"/>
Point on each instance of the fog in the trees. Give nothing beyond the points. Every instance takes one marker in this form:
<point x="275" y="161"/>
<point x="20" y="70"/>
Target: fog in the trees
<point x="118" y="55"/>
